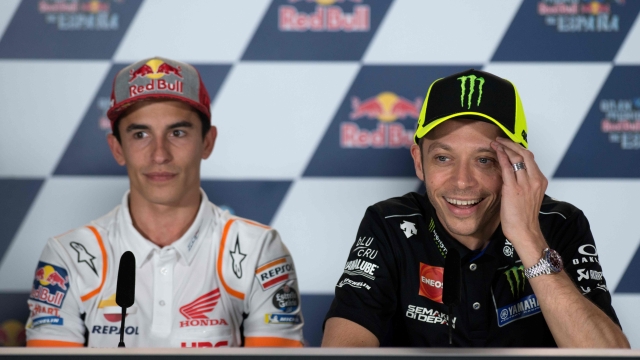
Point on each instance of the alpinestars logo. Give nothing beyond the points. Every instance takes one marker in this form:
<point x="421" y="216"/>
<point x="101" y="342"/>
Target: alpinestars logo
<point x="472" y="86"/>
<point x="515" y="277"/>
<point x="195" y="311"/>
<point x="236" y="258"/>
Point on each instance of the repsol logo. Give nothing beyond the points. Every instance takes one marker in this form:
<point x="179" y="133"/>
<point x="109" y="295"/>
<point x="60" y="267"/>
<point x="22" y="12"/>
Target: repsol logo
<point x="284" y="269"/>
<point x="108" y="330"/>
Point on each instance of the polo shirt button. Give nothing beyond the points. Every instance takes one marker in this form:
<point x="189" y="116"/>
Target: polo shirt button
<point x="476" y="306"/>
<point x="162" y="303"/>
<point x="473" y="267"/>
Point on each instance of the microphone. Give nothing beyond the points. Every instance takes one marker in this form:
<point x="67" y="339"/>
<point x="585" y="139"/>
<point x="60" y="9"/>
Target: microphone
<point x="126" y="287"/>
<point x="451" y="285"/>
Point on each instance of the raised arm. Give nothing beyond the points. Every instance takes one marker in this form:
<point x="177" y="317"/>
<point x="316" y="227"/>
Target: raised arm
<point x="573" y="319"/>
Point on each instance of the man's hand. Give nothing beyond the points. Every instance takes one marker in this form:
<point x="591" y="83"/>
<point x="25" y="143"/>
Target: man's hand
<point x="574" y="321"/>
<point x="522" y="194"/>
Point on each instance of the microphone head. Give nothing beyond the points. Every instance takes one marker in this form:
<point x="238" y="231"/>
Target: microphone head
<point x="125" y="290"/>
<point x="451" y="278"/>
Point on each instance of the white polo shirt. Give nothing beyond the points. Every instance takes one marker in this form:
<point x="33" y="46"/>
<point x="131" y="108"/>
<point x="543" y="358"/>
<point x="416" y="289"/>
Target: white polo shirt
<point x="224" y="272"/>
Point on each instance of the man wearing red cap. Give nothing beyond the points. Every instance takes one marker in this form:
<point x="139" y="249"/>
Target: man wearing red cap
<point x="525" y="266"/>
<point x="204" y="278"/>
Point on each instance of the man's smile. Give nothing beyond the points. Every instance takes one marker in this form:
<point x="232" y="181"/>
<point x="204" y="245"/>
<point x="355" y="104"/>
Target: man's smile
<point x="462" y="207"/>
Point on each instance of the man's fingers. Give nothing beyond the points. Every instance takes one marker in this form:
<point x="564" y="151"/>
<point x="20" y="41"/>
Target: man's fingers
<point x="508" y="177"/>
<point x="525" y="155"/>
<point x="515" y="158"/>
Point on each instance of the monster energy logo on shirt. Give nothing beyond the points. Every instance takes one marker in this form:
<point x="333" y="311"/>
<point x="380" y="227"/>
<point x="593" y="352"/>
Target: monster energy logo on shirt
<point x="515" y="277"/>
<point x="432" y="228"/>
<point x="472" y="84"/>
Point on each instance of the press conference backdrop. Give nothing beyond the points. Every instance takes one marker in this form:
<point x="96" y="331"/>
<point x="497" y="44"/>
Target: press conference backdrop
<point x="315" y="102"/>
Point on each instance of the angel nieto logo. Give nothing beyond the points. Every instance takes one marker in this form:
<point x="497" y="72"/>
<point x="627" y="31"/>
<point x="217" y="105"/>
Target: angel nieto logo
<point x="155" y="70"/>
<point x="196" y="311"/>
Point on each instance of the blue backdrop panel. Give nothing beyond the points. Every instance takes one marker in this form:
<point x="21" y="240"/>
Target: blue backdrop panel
<point x="567" y="30"/>
<point x="67" y="29"/>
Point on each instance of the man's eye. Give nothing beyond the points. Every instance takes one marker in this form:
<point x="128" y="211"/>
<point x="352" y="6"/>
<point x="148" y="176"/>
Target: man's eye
<point x="441" y="158"/>
<point x="139" y="135"/>
<point x="485" y="160"/>
<point x="178" y="133"/>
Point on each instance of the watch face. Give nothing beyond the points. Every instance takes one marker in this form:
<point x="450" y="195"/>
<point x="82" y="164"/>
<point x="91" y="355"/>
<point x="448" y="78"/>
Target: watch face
<point x="554" y="260"/>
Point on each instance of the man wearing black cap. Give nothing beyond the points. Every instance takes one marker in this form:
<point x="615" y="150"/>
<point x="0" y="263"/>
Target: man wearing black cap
<point x="529" y="271"/>
<point x="204" y="278"/>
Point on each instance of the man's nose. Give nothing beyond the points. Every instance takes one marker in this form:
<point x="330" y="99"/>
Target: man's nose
<point x="161" y="153"/>
<point x="464" y="177"/>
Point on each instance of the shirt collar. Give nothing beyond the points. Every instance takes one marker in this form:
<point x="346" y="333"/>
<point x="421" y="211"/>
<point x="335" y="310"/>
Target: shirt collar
<point x="495" y="248"/>
<point x="187" y="245"/>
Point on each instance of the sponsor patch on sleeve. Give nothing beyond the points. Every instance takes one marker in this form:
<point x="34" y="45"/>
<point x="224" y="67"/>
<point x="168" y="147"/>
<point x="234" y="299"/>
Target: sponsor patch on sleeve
<point x="50" y="284"/>
<point x="47" y="320"/>
<point x="282" y="319"/>
<point x="275" y="272"/>
<point x="286" y="299"/>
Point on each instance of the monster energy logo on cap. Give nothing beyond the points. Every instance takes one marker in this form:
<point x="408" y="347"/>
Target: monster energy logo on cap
<point x="515" y="277"/>
<point x="472" y="83"/>
<point x="460" y="96"/>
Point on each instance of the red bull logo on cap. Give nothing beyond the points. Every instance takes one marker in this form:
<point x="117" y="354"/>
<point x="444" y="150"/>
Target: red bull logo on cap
<point x="386" y="107"/>
<point x="50" y="284"/>
<point x="155" y="70"/>
<point x="327" y="17"/>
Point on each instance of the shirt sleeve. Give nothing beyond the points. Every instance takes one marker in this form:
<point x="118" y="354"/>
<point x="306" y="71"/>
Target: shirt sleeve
<point x="581" y="262"/>
<point x="366" y="291"/>
<point x="54" y="304"/>
<point x="274" y="314"/>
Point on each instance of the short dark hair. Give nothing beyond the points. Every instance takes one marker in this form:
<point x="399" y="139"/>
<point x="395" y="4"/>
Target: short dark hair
<point x="206" y="126"/>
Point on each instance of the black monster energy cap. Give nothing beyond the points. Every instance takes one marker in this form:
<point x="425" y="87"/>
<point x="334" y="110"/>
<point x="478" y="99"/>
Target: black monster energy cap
<point x="474" y="94"/>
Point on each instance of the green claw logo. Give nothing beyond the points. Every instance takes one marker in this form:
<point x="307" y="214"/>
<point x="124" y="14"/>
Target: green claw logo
<point x="432" y="229"/>
<point x="472" y="84"/>
<point x="515" y="276"/>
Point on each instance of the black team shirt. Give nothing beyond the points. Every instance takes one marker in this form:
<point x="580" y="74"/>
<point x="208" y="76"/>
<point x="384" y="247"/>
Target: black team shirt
<point x="392" y="280"/>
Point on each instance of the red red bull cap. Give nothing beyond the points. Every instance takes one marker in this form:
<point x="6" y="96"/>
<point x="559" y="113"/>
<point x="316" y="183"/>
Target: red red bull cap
<point x="158" y="78"/>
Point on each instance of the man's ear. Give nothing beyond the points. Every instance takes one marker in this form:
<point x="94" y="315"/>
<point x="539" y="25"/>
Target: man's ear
<point x="417" y="161"/>
<point x="209" y="142"/>
<point x="116" y="149"/>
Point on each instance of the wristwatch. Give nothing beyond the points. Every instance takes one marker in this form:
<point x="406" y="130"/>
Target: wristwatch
<point x="551" y="263"/>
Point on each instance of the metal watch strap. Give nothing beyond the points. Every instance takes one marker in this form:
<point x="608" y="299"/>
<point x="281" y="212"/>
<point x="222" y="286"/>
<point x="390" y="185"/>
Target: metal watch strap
<point x="542" y="267"/>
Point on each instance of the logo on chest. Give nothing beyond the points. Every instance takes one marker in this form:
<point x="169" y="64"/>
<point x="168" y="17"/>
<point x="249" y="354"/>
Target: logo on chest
<point x="111" y="311"/>
<point x="431" y="282"/>
<point x="196" y="311"/>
